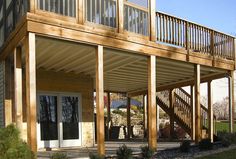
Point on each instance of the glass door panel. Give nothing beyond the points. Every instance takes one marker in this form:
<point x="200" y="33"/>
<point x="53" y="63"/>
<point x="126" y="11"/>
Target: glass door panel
<point x="70" y="117"/>
<point x="47" y="121"/>
<point x="70" y="121"/>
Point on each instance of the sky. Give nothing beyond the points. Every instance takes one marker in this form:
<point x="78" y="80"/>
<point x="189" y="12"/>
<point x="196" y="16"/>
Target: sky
<point x="216" y="14"/>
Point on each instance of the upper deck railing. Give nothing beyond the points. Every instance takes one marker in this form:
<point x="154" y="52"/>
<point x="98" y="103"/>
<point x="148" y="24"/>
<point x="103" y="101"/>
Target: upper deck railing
<point x="133" y="15"/>
<point x="194" y="37"/>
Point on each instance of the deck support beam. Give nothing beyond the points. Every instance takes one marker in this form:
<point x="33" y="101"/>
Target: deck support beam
<point x="128" y="118"/>
<point x="30" y="66"/>
<point x="198" y="133"/>
<point x="231" y="101"/>
<point x="108" y="114"/>
<point x="145" y="115"/>
<point x="210" y="112"/>
<point x="7" y="97"/>
<point x="18" y="88"/>
<point x="152" y="128"/>
<point x="171" y="99"/>
<point x="192" y="113"/>
<point x="100" y="100"/>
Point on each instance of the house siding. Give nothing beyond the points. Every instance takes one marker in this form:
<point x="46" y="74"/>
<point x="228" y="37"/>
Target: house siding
<point x="1" y="94"/>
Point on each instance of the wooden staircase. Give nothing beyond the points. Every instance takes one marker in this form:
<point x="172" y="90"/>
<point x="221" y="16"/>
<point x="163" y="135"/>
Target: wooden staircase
<point x="182" y="109"/>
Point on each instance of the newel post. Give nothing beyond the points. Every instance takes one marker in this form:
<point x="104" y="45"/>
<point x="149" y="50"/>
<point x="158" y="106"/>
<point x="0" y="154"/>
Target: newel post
<point x="120" y="22"/>
<point x="152" y="17"/>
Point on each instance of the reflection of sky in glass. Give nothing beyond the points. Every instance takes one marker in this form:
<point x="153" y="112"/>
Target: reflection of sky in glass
<point x="48" y="108"/>
<point x="143" y="3"/>
<point x="70" y="109"/>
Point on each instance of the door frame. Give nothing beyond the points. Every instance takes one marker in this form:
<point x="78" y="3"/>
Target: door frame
<point x="60" y="143"/>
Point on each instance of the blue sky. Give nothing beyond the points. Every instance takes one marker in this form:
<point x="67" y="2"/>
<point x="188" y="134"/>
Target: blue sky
<point x="216" y="14"/>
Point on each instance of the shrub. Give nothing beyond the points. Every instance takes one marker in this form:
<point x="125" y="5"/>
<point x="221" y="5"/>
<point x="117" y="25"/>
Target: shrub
<point x="147" y="153"/>
<point x="59" y="156"/>
<point x="185" y="146"/>
<point x="11" y="146"/>
<point x="205" y="144"/>
<point x="95" y="156"/>
<point x="124" y="152"/>
<point x="226" y="138"/>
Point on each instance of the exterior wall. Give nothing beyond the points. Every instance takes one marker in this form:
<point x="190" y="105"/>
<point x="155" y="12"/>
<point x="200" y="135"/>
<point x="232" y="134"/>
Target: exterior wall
<point x="62" y="82"/>
<point x="2" y="94"/>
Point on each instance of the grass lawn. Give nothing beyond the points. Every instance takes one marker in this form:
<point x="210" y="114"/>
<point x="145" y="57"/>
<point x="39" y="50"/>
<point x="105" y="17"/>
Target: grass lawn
<point x="223" y="126"/>
<point x="231" y="154"/>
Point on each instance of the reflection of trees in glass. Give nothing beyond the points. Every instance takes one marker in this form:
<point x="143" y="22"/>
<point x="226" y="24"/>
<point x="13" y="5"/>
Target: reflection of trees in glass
<point x="48" y="106"/>
<point x="70" y="109"/>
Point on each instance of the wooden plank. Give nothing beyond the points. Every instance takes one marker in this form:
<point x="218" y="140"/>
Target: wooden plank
<point x="128" y="118"/>
<point x="198" y="133"/>
<point x="152" y="129"/>
<point x="234" y="53"/>
<point x="80" y="11"/>
<point x="7" y="96"/>
<point x="152" y="17"/>
<point x="18" y="88"/>
<point x="30" y="67"/>
<point x="108" y="114"/>
<point x="231" y="101"/>
<point x="171" y="99"/>
<point x="210" y="112"/>
<point x="192" y="113"/>
<point x="120" y="6"/>
<point x="32" y="5"/>
<point x="145" y="114"/>
<point x="100" y="100"/>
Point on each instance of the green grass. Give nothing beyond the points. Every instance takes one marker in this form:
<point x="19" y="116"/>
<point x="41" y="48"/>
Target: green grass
<point x="223" y="126"/>
<point x="231" y="154"/>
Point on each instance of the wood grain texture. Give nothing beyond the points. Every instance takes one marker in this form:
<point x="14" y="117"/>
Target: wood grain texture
<point x="152" y="129"/>
<point x="30" y="67"/>
<point x="18" y="88"/>
<point x="100" y="100"/>
<point x="192" y="113"/>
<point x="198" y="133"/>
<point x="120" y="7"/>
<point x="152" y="18"/>
<point x="210" y="111"/>
<point x="231" y="101"/>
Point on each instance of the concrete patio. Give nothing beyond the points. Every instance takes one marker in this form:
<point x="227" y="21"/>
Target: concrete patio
<point x="111" y="147"/>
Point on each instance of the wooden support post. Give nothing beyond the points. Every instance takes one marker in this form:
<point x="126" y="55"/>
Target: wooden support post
<point x="231" y="101"/>
<point x="145" y="115"/>
<point x="158" y="119"/>
<point x="210" y="112"/>
<point x="18" y="88"/>
<point x="108" y="114"/>
<point x="80" y="11"/>
<point x="152" y="129"/>
<point x="171" y="99"/>
<point x="152" y="17"/>
<point x="120" y="21"/>
<point x="192" y="113"/>
<point x="100" y="100"/>
<point x="7" y="94"/>
<point x="198" y="133"/>
<point x="30" y="67"/>
<point x="128" y="118"/>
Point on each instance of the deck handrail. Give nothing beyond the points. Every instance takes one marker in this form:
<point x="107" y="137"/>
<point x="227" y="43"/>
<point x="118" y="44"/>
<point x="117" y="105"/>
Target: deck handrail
<point x="192" y="36"/>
